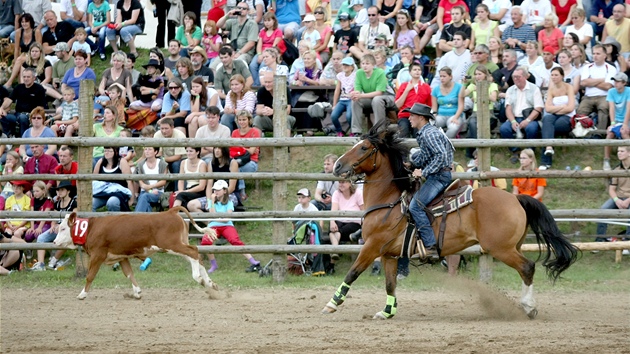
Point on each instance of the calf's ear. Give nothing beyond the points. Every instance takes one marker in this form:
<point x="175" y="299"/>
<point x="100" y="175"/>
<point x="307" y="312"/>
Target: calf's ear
<point x="72" y="218"/>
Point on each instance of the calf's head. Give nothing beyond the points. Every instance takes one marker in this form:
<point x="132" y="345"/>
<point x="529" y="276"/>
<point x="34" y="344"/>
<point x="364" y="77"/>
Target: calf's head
<point x="64" y="237"/>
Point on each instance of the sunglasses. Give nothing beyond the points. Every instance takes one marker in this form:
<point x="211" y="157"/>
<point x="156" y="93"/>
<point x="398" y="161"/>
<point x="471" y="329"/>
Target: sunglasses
<point x="372" y="15"/>
<point x="318" y="13"/>
<point x="243" y="8"/>
<point x="479" y="52"/>
<point x="37" y="117"/>
<point x="174" y="88"/>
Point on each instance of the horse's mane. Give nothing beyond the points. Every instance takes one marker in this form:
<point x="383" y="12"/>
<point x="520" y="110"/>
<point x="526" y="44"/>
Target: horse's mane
<point x="388" y="143"/>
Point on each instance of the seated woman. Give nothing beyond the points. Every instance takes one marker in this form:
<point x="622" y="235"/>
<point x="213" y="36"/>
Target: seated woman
<point x="581" y="28"/>
<point x="448" y="101"/>
<point x="578" y="56"/>
<point x="387" y="10"/>
<point x="571" y="74"/>
<point x="198" y="105"/>
<point x="496" y="50"/>
<point x="239" y="98"/>
<point x="569" y="40"/>
<point x="535" y="186"/>
<point x="149" y="94"/>
<point x="244" y="120"/>
<point x="129" y="23"/>
<point x="188" y="34"/>
<point x="308" y="75"/>
<point x="188" y="190"/>
<point x="115" y="74"/>
<point x="271" y="59"/>
<point x="481" y="74"/>
<point x="559" y="109"/>
<point x="222" y="162"/>
<point x="39" y="202"/>
<point x="404" y="33"/>
<point x="150" y="188"/>
<point x="109" y="128"/>
<point x="325" y="31"/>
<point x="551" y="35"/>
<point x="116" y="199"/>
<point x="346" y="197"/>
<point x="532" y="58"/>
<point x="483" y="28"/>
<point x="74" y="76"/>
<point x="613" y="54"/>
<point x="219" y="202"/>
<point x="38" y="130"/>
<point x="9" y="260"/>
<point x="25" y="36"/>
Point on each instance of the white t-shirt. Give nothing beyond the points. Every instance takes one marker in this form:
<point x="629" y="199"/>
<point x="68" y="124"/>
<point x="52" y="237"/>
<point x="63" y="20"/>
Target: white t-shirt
<point x="585" y="31"/>
<point x="311" y="207"/>
<point x="535" y="11"/>
<point x="66" y="6"/>
<point x="361" y="18"/>
<point x="368" y="34"/>
<point x="496" y="6"/>
<point x="592" y="71"/>
<point x="458" y="63"/>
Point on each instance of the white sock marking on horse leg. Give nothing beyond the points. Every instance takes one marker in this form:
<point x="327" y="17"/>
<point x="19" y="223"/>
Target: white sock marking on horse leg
<point x="527" y="298"/>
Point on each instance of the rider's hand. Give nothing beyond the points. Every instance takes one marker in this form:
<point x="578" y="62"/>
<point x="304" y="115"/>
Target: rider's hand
<point x="417" y="173"/>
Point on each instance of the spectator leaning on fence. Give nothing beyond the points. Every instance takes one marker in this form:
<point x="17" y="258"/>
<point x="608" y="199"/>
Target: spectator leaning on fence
<point x="264" y="106"/>
<point x="369" y="88"/>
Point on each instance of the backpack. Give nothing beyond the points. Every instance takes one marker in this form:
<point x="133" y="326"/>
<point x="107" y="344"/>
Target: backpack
<point x="291" y="54"/>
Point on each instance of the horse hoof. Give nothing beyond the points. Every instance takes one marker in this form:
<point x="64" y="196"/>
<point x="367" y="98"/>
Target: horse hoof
<point x="329" y="308"/>
<point x="379" y="316"/>
<point x="532" y="314"/>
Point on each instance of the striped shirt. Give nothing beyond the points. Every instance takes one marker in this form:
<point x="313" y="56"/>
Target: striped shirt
<point x="247" y="103"/>
<point x="436" y="150"/>
<point x="524" y="34"/>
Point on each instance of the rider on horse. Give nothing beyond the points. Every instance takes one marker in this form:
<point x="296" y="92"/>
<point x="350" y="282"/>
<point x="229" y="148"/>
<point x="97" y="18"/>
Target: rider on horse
<point x="432" y="161"/>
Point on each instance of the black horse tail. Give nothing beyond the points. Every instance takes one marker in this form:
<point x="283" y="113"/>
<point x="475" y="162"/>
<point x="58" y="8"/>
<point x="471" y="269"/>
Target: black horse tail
<point x="544" y="226"/>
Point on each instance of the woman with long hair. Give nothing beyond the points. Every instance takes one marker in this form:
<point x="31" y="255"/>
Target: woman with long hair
<point x="112" y="164"/>
<point x="325" y="32"/>
<point x="578" y="56"/>
<point x="271" y="59"/>
<point x="191" y="189"/>
<point x="116" y="74"/>
<point x="188" y="34"/>
<point x="532" y="57"/>
<point x="109" y="128"/>
<point x="448" y="101"/>
<point x="12" y="166"/>
<point x="481" y="74"/>
<point x="25" y="36"/>
<point x="569" y="40"/>
<point x="186" y="71"/>
<point x="347" y="198"/>
<point x="613" y="54"/>
<point x="156" y="54"/>
<point x="483" y="28"/>
<point x="496" y="50"/>
<point x="571" y="74"/>
<point x="404" y="33"/>
<point x="559" y="109"/>
<point x="551" y="35"/>
<point x="36" y="60"/>
<point x="535" y="186"/>
<point x="239" y="98"/>
<point x="198" y="105"/>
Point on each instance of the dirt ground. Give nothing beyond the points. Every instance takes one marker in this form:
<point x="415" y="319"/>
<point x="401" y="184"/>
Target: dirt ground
<point x="464" y="318"/>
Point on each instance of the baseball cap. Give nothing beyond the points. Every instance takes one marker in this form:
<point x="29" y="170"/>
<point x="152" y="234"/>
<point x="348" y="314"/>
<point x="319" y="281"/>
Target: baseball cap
<point x="220" y="184"/>
<point x="347" y="61"/>
<point x="549" y="49"/>
<point x="304" y="192"/>
<point x="343" y="16"/>
<point x="61" y="47"/>
<point x="357" y="2"/>
<point x="309" y="18"/>
<point x="381" y="37"/>
<point x="620" y="77"/>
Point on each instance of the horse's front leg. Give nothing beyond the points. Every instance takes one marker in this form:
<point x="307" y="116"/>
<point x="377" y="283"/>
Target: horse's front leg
<point x="363" y="261"/>
<point x="390" y="265"/>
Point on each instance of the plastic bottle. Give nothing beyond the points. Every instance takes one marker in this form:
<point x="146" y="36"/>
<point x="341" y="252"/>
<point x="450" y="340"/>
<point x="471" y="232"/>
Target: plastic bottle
<point x="519" y="133"/>
<point x="147" y="262"/>
<point x="601" y="13"/>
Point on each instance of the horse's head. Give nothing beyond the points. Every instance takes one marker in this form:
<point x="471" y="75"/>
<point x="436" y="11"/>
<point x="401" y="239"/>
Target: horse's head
<point x="360" y="159"/>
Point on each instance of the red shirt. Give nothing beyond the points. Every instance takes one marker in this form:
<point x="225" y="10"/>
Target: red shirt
<point x="74" y="169"/>
<point x="216" y="13"/>
<point x="46" y="165"/>
<point x="563" y="12"/>
<point x="551" y="40"/>
<point x="420" y="95"/>
<point x="447" y="5"/>
<point x="252" y="133"/>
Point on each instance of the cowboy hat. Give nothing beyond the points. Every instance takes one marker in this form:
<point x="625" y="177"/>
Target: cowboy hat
<point x="67" y="185"/>
<point x="200" y="51"/>
<point x="420" y="110"/>
<point x="154" y="63"/>
<point x="25" y="184"/>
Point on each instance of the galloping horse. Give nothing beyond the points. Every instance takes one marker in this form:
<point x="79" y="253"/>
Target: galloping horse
<point x="496" y="220"/>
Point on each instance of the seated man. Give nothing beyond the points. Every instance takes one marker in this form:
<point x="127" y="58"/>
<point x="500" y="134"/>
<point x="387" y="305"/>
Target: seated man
<point x="243" y="32"/>
<point x="370" y="94"/>
<point x="517" y="35"/>
<point x="368" y="34"/>
<point x="27" y="96"/>
<point x="596" y="81"/>
<point x="264" y="106"/>
<point x="618" y="102"/>
<point x="618" y="190"/>
<point x="41" y="164"/>
<point x="457" y="25"/>
<point x="172" y="155"/>
<point x="618" y="27"/>
<point x="229" y="68"/>
<point x="523" y="107"/>
<point x="325" y="189"/>
<point x="214" y="129"/>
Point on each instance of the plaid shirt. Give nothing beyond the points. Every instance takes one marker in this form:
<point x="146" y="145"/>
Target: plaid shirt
<point x="436" y="150"/>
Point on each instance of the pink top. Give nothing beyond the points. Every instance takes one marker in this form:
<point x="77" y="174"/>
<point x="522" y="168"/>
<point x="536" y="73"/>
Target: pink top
<point x="551" y="40"/>
<point x="405" y="38"/>
<point x="267" y="40"/>
<point x="323" y="34"/>
<point x="206" y="43"/>
<point x="355" y="202"/>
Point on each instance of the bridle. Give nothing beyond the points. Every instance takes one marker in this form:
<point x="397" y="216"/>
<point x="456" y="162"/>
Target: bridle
<point x="365" y="157"/>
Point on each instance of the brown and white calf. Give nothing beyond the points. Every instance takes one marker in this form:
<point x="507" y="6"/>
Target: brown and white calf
<point x="117" y="238"/>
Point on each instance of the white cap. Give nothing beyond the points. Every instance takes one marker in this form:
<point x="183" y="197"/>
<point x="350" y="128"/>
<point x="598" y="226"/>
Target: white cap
<point x="220" y="184"/>
<point x="309" y="18"/>
<point x="304" y="192"/>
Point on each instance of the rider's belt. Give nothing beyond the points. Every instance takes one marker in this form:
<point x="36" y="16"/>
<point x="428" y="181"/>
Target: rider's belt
<point x="446" y="169"/>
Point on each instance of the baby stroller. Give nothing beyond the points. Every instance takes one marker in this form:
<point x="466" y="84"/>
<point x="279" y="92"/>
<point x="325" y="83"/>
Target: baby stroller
<point x="307" y="232"/>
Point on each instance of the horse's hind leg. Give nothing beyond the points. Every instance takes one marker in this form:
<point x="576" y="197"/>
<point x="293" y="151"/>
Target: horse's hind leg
<point x="390" y="265"/>
<point x="526" y="269"/>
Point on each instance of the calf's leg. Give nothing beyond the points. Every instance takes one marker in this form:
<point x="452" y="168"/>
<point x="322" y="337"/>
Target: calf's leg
<point x="96" y="259"/>
<point x="128" y="271"/>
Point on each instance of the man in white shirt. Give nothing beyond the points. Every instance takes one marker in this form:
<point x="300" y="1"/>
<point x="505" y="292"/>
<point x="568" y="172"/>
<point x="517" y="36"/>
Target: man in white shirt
<point x="368" y="34"/>
<point x="535" y="11"/>
<point x="458" y="60"/>
<point x="544" y="72"/>
<point x="214" y="130"/>
<point x="596" y="81"/>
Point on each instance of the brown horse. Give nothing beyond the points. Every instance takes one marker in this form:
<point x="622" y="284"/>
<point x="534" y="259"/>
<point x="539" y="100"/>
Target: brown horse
<point x="496" y="220"/>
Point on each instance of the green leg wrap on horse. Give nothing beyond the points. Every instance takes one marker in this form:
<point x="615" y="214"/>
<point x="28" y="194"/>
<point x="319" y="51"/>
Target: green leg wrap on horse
<point x="340" y="294"/>
<point x="390" y="308"/>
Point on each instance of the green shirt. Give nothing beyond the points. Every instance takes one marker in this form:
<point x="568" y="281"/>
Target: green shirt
<point x="491" y="66"/>
<point x="222" y="78"/>
<point x="376" y="82"/>
<point x="180" y="36"/>
<point x="99" y="132"/>
<point x="61" y="67"/>
<point x="249" y="33"/>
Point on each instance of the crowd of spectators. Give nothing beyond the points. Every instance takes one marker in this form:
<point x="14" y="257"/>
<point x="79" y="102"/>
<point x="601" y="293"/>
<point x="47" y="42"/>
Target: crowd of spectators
<point x="545" y="62"/>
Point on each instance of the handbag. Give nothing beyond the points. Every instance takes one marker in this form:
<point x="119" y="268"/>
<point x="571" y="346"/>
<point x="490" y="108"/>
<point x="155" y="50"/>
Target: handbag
<point x="581" y="125"/>
<point x="241" y="155"/>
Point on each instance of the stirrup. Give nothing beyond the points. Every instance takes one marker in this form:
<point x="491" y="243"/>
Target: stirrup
<point x="420" y="251"/>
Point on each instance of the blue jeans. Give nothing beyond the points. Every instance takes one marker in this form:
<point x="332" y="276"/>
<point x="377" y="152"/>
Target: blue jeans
<point x="127" y="33"/>
<point x="229" y="120"/>
<point x="99" y="106"/>
<point x="173" y="167"/>
<point x="47" y="236"/>
<point x="254" y="69"/>
<point x="552" y="125"/>
<point x="342" y="106"/>
<point x="5" y="30"/>
<point x="602" y="227"/>
<point x="112" y="203"/>
<point x="430" y="189"/>
<point x="11" y="120"/>
<point x="144" y="201"/>
<point x="251" y="166"/>
<point x="531" y="131"/>
<point x="101" y="38"/>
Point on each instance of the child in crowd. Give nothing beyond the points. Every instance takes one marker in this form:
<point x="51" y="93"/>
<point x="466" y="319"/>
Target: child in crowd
<point x="79" y="43"/>
<point x="39" y="202"/>
<point x="211" y="41"/>
<point x="126" y="152"/>
<point x="12" y="166"/>
<point x="535" y="186"/>
<point x="18" y="202"/>
<point x="118" y="100"/>
<point x="618" y="99"/>
<point x="220" y="202"/>
<point x="304" y="201"/>
<point x="310" y="34"/>
<point x="345" y="37"/>
<point x="341" y="99"/>
<point x="99" y="16"/>
<point x="66" y="122"/>
<point x="361" y="17"/>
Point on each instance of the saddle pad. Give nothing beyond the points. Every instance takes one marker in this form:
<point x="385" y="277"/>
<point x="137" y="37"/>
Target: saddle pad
<point x="454" y="203"/>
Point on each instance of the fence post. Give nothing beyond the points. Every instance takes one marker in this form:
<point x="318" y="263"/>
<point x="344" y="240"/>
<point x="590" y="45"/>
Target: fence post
<point x="281" y="163"/>
<point x="86" y="121"/>
<point x="484" y="154"/>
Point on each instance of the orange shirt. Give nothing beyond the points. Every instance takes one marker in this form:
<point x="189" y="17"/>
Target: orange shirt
<point x="529" y="186"/>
